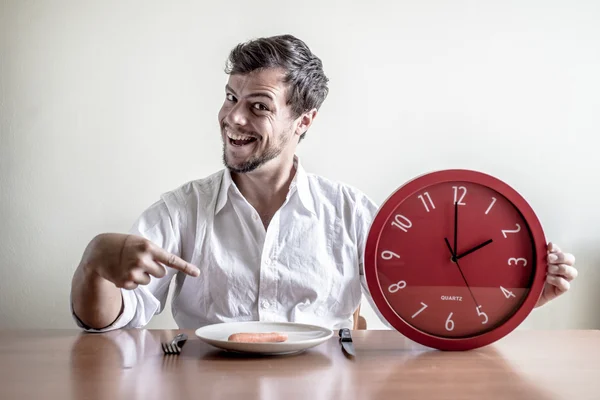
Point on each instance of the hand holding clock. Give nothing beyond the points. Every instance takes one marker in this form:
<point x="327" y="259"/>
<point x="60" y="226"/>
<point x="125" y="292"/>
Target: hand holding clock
<point x="561" y="272"/>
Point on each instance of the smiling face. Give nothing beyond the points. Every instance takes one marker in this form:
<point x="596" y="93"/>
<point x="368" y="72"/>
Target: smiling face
<point x="257" y="125"/>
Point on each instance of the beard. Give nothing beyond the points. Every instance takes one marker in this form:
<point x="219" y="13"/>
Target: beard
<point x="256" y="160"/>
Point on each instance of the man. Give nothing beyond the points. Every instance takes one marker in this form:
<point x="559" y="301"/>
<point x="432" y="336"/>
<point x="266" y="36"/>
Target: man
<point x="261" y="239"/>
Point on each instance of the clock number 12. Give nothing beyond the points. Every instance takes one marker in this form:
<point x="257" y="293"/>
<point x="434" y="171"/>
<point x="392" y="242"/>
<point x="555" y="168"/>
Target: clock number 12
<point x="464" y="192"/>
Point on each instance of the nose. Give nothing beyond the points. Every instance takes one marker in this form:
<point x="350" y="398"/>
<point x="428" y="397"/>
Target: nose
<point x="236" y="115"/>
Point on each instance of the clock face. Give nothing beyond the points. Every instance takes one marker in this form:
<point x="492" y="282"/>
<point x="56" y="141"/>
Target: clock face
<point x="450" y="260"/>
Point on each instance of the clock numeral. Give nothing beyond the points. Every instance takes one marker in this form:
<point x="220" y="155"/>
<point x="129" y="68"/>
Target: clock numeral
<point x="481" y="313"/>
<point x="449" y="323"/>
<point x="491" y="205"/>
<point x="419" y="312"/>
<point x="516" y="261"/>
<point x="464" y="192"/>
<point x="505" y="231"/>
<point x="400" y="221"/>
<point x="388" y="255"/>
<point x="507" y="293"/>
<point x="394" y="287"/>
<point x="426" y="194"/>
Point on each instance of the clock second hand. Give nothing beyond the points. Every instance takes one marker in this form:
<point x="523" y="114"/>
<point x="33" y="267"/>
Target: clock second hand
<point x="460" y="270"/>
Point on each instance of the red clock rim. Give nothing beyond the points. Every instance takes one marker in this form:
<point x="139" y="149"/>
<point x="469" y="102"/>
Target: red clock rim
<point x="443" y="176"/>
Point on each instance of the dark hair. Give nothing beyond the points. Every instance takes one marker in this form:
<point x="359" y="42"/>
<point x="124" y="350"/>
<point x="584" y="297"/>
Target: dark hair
<point x="304" y="74"/>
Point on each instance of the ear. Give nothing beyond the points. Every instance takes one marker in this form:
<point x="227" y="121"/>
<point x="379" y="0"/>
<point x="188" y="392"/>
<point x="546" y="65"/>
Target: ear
<point x="305" y="121"/>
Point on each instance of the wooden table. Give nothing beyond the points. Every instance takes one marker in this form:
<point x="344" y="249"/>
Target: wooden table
<point x="129" y="364"/>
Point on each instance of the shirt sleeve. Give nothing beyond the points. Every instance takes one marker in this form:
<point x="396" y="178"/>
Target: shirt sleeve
<point x="141" y="304"/>
<point x="365" y="213"/>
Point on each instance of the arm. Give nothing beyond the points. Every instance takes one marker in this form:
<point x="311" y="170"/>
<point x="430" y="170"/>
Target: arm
<point x="96" y="301"/>
<point x="113" y="266"/>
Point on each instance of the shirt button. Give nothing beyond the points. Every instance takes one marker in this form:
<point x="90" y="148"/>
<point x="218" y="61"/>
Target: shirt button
<point x="265" y="304"/>
<point x="255" y="217"/>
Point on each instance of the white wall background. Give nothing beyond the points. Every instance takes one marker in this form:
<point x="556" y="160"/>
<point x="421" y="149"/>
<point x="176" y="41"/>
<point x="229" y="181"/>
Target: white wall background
<point x="106" y="104"/>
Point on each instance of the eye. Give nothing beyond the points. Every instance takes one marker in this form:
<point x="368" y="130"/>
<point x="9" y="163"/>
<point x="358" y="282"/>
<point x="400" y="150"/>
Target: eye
<point x="230" y="97"/>
<point x="260" y="107"/>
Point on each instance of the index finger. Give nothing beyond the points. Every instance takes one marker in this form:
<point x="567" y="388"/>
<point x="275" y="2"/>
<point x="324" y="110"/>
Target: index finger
<point x="173" y="261"/>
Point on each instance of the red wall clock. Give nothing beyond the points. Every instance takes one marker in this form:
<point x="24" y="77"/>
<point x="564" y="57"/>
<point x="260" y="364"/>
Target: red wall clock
<point x="455" y="259"/>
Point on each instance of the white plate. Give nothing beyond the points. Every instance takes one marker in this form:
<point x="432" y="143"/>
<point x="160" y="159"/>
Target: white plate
<point x="300" y="336"/>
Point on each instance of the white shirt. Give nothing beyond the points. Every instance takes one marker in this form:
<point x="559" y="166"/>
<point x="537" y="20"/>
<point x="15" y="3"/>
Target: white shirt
<point x="307" y="266"/>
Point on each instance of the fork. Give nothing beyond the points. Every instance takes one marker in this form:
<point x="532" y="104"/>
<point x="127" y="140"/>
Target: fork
<point x="174" y="347"/>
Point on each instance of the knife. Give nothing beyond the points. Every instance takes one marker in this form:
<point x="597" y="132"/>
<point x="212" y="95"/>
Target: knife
<point x="346" y="341"/>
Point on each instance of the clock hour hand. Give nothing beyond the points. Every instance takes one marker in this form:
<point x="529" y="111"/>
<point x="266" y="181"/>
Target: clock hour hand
<point x="458" y="257"/>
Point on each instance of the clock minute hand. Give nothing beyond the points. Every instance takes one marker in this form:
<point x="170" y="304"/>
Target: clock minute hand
<point x="455" y="251"/>
<point x="459" y="256"/>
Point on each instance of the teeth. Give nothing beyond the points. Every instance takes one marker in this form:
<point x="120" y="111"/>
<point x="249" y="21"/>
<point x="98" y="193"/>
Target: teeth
<point x="238" y="137"/>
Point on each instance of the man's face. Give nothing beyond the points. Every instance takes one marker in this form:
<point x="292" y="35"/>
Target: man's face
<point x="256" y="124"/>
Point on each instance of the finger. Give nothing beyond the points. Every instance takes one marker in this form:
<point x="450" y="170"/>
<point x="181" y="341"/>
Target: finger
<point x="553" y="248"/>
<point x="139" y="276"/>
<point x="559" y="282"/>
<point x="129" y="285"/>
<point x="566" y="271"/>
<point x="173" y="261"/>
<point x="561" y="258"/>
<point x="153" y="268"/>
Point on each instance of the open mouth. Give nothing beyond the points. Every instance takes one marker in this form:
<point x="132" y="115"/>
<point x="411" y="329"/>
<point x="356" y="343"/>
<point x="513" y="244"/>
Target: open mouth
<point x="241" y="142"/>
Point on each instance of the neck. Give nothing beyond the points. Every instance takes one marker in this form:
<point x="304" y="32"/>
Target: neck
<point x="267" y="187"/>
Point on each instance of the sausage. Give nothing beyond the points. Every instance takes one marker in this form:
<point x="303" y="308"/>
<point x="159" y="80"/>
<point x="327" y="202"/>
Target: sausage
<point x="267" y="337"/>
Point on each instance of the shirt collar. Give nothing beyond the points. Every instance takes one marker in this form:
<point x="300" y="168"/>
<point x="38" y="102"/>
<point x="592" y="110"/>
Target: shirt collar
<point x="299" y="184"/>
<point x="226" y="183"/>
